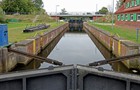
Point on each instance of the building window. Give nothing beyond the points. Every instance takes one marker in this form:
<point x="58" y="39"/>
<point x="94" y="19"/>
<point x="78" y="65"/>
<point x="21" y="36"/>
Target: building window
<point x="128" y="4"/>
<point x="123" y="17"/>
<point x="131" y="17"/>
<point x="134" y="17"/>
<point x="126" y="17"/>
<point x="125" y="5"/>
<point x="137" y="2"/>
<point x="132" y="3"/>
<point x="119" y="16"/>
<point x="138" y="17"/>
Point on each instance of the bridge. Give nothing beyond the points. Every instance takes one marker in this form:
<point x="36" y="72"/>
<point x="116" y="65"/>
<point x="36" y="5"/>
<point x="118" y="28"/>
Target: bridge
<point x="75" y="19"/>
<point x="76" y="15"/>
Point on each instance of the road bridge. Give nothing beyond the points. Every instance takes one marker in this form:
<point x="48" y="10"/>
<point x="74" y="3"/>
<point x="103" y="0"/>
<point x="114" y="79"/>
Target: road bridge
<point x="75" y="15"/>
<point x="75" y="19"/>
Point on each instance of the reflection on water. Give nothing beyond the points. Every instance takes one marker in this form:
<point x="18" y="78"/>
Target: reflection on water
<point x="117" y="66"/>
<point x="105" y="52"/>
<point x="75" y="48"/>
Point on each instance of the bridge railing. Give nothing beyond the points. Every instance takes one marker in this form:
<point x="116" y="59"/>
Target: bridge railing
<point x="73" y="13"/>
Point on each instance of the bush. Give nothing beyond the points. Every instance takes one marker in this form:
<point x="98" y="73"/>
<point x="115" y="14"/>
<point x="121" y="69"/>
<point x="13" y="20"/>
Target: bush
<point x="1" y="15"/>
<point x="106" y="19"/>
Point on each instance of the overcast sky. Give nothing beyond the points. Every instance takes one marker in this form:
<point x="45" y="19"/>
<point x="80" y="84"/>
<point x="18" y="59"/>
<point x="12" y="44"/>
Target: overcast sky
<point x="76" y="5"/>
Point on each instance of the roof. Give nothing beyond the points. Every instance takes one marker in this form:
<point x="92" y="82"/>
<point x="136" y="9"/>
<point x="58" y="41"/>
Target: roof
<point x="122" y="9"/>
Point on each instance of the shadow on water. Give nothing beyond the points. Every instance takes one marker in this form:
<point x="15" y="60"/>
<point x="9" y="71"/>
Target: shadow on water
<point x="117" y="66"/>
<point x="105" y="52"/>
<point x="76" y="48"/>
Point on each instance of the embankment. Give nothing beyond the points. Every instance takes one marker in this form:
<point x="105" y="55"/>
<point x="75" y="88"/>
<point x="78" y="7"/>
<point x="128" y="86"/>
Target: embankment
<point x="118" y="46"/>
<point x="9" y="60"/>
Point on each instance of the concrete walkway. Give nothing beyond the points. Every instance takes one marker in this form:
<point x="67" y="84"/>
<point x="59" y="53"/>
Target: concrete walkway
<point x="105" y="23"/>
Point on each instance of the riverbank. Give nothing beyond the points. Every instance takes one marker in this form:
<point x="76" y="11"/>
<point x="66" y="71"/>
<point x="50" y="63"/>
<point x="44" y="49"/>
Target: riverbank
<point x="117" y="45"/>
<point x="34" y="45"/>
<point x="15" y="30"/>
<point x="126" y="33"/>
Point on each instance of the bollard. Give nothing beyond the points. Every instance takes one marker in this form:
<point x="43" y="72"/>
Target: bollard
<point x="4" y="59"/>
<point x="137" y="34"/>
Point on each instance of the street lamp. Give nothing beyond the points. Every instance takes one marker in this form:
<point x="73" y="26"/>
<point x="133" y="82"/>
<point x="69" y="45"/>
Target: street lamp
<point x="112" y="14"/>
<point x="96" y="11"/>
<point x="56" y="12"/>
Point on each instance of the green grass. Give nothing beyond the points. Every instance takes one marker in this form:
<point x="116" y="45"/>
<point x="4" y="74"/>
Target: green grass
<point x="30" y="18"/>
<point x="15" y="31"/>
<point x="129" y="34"/>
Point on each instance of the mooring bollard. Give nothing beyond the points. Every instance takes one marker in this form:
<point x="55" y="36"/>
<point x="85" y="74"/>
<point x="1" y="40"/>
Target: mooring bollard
<point x="137" y="34"/>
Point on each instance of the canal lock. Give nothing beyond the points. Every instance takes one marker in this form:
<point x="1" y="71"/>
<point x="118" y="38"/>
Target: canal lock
<point x="53" y="49"/>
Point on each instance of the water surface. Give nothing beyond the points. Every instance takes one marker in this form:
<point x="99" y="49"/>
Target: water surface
<point x="76" y="48"/>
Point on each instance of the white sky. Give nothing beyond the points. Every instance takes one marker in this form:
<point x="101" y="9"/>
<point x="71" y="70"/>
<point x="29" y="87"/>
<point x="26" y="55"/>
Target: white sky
<point x="76" y="5"/>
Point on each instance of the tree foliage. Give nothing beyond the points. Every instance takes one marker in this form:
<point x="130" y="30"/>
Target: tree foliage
<point x="1" y="15"/>
<point x="21" y="6"/>
<point x="119" y="4"/>
<point x="104" y="10"/>
<point x="63" y="11"/>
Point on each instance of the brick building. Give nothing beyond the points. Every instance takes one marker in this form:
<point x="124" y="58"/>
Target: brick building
<point x="129" y="14"/>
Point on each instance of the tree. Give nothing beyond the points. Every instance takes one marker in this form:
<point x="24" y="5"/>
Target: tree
<point x="1" y="15"/>
<point x="119" y="4"/>
<point x="104" y="10"/>
<point x="21" y="6"/>
<point x="109" y="7"/>
<point x="63" y="11"/>
<point x="38" y="4"/>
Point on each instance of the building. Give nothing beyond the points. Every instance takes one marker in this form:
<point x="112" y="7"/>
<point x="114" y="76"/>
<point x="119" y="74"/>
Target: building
<point x="129" y="14"/>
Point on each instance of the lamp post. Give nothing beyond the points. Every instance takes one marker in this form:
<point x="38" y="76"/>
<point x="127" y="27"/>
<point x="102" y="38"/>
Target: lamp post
<point x="112" y="14"/>
<point x="56" y="12"/>
<point x="96" y="11"/>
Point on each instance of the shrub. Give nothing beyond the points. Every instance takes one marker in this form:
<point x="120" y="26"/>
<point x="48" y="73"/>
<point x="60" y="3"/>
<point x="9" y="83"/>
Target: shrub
<point x="1" y="15"/>
<point x="106" y="19"/>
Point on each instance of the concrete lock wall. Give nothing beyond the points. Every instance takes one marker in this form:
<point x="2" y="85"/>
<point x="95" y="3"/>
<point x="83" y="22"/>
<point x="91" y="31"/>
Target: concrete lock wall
<point x="101" y="35"/>
<point x="25" y="46"/>
<point x="118" y="46"/>
<point x="34" y="45"/>
<point x="9" y="60"/>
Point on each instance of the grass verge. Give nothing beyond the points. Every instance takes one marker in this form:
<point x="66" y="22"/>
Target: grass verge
<point x="129" y="34"/>
<point x="15" y="31"/>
